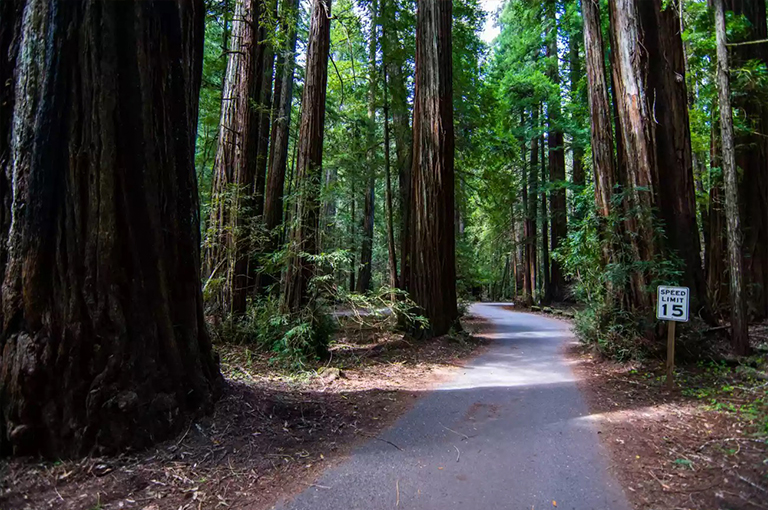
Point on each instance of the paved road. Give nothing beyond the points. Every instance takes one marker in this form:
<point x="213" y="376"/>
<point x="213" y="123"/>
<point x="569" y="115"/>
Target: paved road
<point x="518" y="427"/>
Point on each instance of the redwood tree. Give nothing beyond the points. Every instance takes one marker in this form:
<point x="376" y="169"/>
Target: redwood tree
<point x="304" y="236"/>
<point x="104" y="345"/>
<point x="234" y="169"/>
<point x="431" y="244"/>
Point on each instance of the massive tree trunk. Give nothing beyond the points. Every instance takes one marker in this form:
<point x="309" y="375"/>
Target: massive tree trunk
<point x="739" y="320"/>
<point x="603" y="161"/>
<point x="432" y="260"/>
<point x="604" y="171"/>
<point x="104" y="345"/>
<point x="226" y="244"/>
<point x="752" y="158"/>
<point x="303" y="241"/>
<point x="280" y="136"/>
<point x="366" y="248"/>
<point x="676" y="189"/>
<point x="556" y="159"/>
<point x="651" y="99"/>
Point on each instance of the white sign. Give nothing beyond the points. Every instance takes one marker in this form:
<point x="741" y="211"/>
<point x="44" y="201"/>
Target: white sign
<point x="672" y="303"/>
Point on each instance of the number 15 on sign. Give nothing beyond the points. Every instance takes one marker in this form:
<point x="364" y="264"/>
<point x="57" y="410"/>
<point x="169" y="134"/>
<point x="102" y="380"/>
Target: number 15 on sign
<point x="672" y="305"/>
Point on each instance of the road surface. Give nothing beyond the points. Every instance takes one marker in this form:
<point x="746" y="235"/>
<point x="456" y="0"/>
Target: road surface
<point x="511" y="431"/>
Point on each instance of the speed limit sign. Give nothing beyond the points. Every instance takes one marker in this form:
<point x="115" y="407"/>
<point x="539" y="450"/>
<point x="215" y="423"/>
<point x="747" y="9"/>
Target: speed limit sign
<point x="672" y="303"/>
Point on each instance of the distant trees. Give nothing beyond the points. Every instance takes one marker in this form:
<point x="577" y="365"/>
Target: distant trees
<point x="104" y="345"/>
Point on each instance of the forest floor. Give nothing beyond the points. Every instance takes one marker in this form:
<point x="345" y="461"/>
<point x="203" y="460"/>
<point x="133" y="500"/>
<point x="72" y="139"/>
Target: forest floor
<point x="703" y="445"/>
<point x="271" y="434"/>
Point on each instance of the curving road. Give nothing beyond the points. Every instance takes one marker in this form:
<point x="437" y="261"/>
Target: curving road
<point x="510" y="432"/>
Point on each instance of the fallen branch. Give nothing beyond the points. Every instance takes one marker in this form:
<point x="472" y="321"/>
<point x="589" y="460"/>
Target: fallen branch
<point x="457" y="433"/>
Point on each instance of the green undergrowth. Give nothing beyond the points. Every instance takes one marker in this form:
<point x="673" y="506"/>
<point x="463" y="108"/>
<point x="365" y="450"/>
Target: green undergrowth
<point x="740" y="390"/>
<point x="295" y="340"/>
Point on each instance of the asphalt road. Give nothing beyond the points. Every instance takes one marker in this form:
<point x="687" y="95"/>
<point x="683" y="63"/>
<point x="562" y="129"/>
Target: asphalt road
<point x="511" y="431"/>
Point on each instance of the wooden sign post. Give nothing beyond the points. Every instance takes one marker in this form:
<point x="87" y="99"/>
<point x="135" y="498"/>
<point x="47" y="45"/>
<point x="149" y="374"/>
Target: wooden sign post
<point x="672" y="305"/>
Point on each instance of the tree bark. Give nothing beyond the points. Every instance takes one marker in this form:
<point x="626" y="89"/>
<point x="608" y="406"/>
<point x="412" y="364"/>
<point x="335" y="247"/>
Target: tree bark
<point x="104" y="345"/>
<point x="752" y="159"/>
<point x="531" y="217"/>
<point x="576" y="72"/>
<point x="603" y="160"/>
<point x="391" y="247"/>
<point x="226" y="244"/>
<point x="310" y="158"/>
<point x="716" y="266"/>
<point x="672" y="145"/>
<point x="432" y="264"/>
<point x="739" y="320"/>
<point x="280" y="135"/>
<point x="556" y="158"/>
<point x="266" y="69"/>
<point x="545" y="294"/>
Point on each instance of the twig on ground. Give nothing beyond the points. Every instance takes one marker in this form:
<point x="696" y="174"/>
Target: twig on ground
<point x="751" y="483"/>
<point x="319" y="486"/>
<point x="458" y="453"/>
<point x="397" y="492"/>
<point x="727" y="439"/>
<point x="457" y="433"/>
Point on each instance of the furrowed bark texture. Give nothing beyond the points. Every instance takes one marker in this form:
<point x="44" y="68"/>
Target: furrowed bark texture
<point x="532" y="215"/>
<point x="432" y="263"/>
<point x="234" y="169"/>
<point x="104" y="345"/>
<point x="752" y="159"/>
<point x="280" y="136"/>
<point x="603" y="161"/>
<point x="651" y="98"/>
<point x="304" y="236"/>
<point x="739" y="319"/>
<point x="676" y="188"/>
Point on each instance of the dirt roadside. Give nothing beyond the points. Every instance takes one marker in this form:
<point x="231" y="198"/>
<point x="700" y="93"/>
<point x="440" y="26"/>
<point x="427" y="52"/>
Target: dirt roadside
<point x="701" y="446"/>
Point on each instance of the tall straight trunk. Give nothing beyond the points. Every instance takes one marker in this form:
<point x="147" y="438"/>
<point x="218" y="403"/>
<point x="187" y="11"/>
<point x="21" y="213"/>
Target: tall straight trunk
<point x="226" y="244"/>
<point x="676" y="190"/>
<point x="531" y="217"/>
<point x="104" y="343"/>
<point x="716" y="266"/>
<point x="391" y="247"/>
<point x="264" y="108"/>
<point x="280" y="134"/>
<point x="637" y="138"/>
<point x="651" y="99"/>
<point x="352" y="241"/>
<point x="603" y="160"/>
<point x="752" y="158"/>
<point x="556" y="158"/>
<point x="575" y="74"/>
<point x="545" y="295"/>
<point x="739" y="320"/>
<point x="366" y="248"/>
<point x="432" y="262"/>
<point x="525" y="262"/>
<point x="304" y="235"/>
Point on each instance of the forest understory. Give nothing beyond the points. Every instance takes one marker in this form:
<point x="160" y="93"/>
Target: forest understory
<point x="699" y="446"/>
<point x="273" y="432"/>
